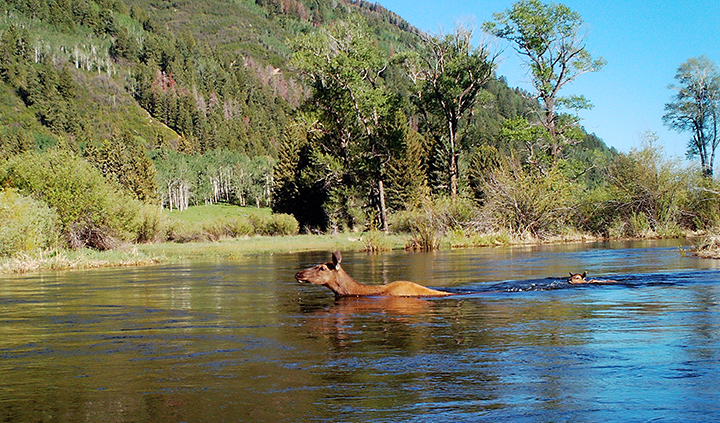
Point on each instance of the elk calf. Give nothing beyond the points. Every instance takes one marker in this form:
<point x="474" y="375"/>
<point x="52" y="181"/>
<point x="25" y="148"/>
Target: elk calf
<point x="577" y="279"/>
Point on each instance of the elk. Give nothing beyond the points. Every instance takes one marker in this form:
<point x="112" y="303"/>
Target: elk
<point x="577" y="279"/>
<point x="333" y="276"/>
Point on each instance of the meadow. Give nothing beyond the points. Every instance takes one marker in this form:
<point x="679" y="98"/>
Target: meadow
<point x="208" y="232"/>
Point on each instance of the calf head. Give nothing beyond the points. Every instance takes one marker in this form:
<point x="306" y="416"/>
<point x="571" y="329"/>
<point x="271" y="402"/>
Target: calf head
<point x="322" y="274"/>
<point x="577" y="277"/>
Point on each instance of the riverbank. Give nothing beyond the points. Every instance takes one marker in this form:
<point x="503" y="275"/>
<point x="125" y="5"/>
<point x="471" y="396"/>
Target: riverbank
<point x="709" y="247"/>
<point x="170" y="252"/>
<point x="234" y="248"/>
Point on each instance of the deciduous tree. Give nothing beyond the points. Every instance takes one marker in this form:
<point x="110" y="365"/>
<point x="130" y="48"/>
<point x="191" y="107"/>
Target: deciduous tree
<point x="551" y="38"/>
<point x="345" y="72"/>
<point x="695" y="108"/>
<point x="449" y="73"/>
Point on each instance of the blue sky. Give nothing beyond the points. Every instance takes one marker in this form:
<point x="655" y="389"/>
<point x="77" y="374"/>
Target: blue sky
<point x="643" y="42"/>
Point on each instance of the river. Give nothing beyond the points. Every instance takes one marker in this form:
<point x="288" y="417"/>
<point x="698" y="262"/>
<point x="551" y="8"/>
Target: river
<point x="243" y="341"/>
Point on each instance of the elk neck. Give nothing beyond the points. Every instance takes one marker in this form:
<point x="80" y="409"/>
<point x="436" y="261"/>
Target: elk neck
<point x="345" y="285"/>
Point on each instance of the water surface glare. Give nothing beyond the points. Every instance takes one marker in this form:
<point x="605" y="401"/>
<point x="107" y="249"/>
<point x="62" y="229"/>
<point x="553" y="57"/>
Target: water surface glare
<point x="242" y="341"/>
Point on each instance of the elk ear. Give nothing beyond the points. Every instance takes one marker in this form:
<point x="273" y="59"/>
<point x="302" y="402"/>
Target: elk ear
<point x="571" y="274"/>
<point x="584" y="274"/>
<point x="336" y="258"/>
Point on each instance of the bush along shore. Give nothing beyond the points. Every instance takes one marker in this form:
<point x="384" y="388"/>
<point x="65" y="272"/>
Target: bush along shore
<point x="224" y="232"/>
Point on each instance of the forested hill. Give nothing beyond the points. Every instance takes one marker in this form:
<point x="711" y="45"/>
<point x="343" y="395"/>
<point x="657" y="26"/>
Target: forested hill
<point x="151" y="91"/>
<point x="214" y="72"/>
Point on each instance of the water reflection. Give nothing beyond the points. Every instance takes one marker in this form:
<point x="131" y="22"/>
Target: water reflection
<point x="242" y="341"/>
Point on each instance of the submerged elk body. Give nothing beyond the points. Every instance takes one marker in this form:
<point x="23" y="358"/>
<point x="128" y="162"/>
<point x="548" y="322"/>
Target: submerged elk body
<point x="338" y="281"/>
<point x="579" y="278"/>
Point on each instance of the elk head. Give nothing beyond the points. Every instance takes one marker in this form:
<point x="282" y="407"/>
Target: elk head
<point x="322" y="274"/>
<point x="576" y="278"/>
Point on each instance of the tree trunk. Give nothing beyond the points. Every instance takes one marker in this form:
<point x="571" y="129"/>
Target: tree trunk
<point x="383" y="210"/>
<point x="453" y="165"/>
<point x="453" y="175"/>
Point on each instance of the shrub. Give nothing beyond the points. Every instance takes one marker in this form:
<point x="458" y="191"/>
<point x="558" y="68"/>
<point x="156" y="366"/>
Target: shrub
<point x="426" y="230"/>
<point x="527" y="201"/>
<point x="595" y="212"/>
<point x="183" y="232"/>
<point x="91" y="211"/>
<point x="702" y="211"/>
<point x="238" y="227"/>
<point x="277" y="224"/>
<point x="374" y="241"/>
<point x="154" y="225"/>
<point x="428" y="223"/>
<point x="25" y="224"/>
<point x="645" y="196"/>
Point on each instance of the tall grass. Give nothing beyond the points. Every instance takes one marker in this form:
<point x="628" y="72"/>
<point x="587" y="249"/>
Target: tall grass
<point x="218" y="221"/>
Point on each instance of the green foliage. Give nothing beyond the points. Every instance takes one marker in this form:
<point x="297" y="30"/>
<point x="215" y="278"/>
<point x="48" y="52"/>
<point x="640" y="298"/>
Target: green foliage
<point x="484" y="160"/>
<point x="154" y="225"/>
<point x="302" y="180"/>
<point x="92" y="211"/>
<point x="26" y="225"/>
<point x="357" y="113"/>
<point x="375" y="241"/>
<point x="215" y="176"/>
<point x="643" y="183"/>
<point x="195" y="103"/>
<point x="645" y="194"/>
<point x="14" y="141"/>
<point x="406" y="171"/>
<point x="276" y="225"/>
<point x="449" y="74"/>
<point x="430" y="221"/>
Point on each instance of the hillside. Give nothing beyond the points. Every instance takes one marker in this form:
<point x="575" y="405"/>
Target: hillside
<point x="196" y="102"/>
<point x="213" y="72"/>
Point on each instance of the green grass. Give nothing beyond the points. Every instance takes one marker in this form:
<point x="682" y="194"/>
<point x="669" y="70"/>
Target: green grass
<point x="226" y="248"/>
<point x="168" y="252"/>
<point x="261" y="245"/>
<point x="215" y="212"/>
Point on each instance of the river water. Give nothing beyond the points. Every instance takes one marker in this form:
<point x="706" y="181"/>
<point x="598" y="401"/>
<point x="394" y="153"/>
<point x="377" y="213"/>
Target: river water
<point x="242" y="341"/>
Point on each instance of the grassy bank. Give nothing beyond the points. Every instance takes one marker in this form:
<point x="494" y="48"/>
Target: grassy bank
<point x="169" y="252"/>
<point x="203" y="225"/>
<point x="244" y="247"/>
<point x="234" y="248"/>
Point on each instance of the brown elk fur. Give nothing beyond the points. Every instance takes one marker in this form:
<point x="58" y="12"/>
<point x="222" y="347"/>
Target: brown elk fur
<point x="334" y="277"/>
